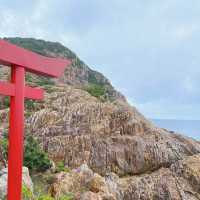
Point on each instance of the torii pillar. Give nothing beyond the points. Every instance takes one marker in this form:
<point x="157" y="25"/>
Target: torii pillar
<point x="20" y="61"/>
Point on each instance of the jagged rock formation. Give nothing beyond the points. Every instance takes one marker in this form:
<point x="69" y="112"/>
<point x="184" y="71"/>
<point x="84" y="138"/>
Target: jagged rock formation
<point x="83" y="178"/>
<point x="108" y="135"/>
<point x="179" y="182"/>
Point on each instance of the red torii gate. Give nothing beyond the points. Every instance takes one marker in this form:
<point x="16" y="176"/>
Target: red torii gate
<point x="20" y="61"/>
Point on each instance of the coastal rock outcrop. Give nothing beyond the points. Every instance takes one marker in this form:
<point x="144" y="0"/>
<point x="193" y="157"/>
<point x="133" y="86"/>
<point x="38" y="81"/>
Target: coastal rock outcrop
<point x="108" y="136"/>
<point x="85" y="122"/>
<point x="85" y="184"/>
<point x="181" y="181"/>
<point x="178" y="182"/>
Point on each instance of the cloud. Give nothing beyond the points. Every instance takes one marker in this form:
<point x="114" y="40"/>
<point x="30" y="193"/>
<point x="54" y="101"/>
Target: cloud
<point x="149" y="49"/>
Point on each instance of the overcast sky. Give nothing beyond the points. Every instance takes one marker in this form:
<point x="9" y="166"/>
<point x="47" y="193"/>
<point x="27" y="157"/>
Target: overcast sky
<point x="149" y="49"/>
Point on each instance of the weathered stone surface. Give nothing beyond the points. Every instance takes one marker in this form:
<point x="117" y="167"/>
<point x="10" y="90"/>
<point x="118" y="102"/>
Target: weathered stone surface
<point x="108" y="136"/>
<point x="158" y="185"/>
<point x="179" y="182"/>
<point x="3" y="181"/>
<point x="189" y="169"/>
<point x="90" y="196"/>
<point x="83" y="179"/>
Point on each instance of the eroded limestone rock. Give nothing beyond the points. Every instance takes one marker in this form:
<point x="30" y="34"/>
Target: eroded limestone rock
<point x="85" y="184"/>
<point x="108" y="136"/>
<point x="178" y="182"/>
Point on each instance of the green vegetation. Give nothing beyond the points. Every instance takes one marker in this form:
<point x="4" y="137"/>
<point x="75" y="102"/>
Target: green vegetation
<point x="96" y="90"/>
<point x="55" y="49"/>
<point x="29" y="104"/>
<point x="69" y="196"/>
<point x="49" y="88"/>
<point x="45" y="197"/>
<point x="42" y="182"/>
<point x="27" y="193"/>
<point x="39" y="80"/>
<point x="42" y="47"/>
<point x="6" y="101"/>
<point x="96" y="78"/>
<point x="92" y="78"/>
<point x="4" y="145"/>
<point x="34" y="157"/>
<point x="60" y="167"/>
<point x="48" y="197"/>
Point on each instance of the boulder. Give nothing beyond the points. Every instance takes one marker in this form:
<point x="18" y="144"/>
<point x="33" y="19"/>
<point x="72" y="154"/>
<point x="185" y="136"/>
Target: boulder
<point x="84" y="179"/>
<point x="180" y="181"/>
<point x="71" y="182"/>
<point x="3" y="181"/>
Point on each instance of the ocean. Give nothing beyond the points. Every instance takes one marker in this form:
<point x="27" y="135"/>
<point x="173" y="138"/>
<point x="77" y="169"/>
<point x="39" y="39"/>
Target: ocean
<point x="189" y="128"/>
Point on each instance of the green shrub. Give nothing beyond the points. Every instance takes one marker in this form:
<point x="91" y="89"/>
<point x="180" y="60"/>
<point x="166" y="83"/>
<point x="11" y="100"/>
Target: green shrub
<point x="96" y="90"/>
<point x="39" y="80"/>
<point x="92" y="78"/>
<point x="27" y="193"/>
<point x="69" y="196"/>
<point x="60" y="167"/>
<point x="5" y="102"/>
<point x="34" y="157"/>
<point x="29" y="78"/>
<point x="43" y="81"/>
<point x="4" y="145"/>
<point x="49" y="88"/>
<point x="44" y="197"/>
<point x="29" y="104"/>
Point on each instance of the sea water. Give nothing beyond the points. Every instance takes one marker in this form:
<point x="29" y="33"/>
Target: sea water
<point x="189" y="128"/>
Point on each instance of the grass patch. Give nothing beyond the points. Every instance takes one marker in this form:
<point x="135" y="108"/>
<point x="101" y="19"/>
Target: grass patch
<point x="96" y="90"/>
<point x="60" y="167"/>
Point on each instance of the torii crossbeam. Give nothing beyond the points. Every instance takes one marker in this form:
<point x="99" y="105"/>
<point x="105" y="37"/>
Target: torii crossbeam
<point x="20" y="61"/>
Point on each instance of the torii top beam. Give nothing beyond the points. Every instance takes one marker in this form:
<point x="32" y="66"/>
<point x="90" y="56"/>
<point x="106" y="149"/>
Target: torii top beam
<point x="32" y="62"/>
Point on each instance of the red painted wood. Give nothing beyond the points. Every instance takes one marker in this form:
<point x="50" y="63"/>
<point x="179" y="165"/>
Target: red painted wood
<point x="16" y="135"/>
<point x="13" y="55"/>
<point x="34" y="93"/>
<point x="8" y="89"/>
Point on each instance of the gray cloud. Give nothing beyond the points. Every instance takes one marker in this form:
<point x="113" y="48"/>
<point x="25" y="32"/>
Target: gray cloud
<point x="149" y="49"/>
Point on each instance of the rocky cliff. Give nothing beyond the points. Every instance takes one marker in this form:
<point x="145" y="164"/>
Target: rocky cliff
<point x="84" y="120"/>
